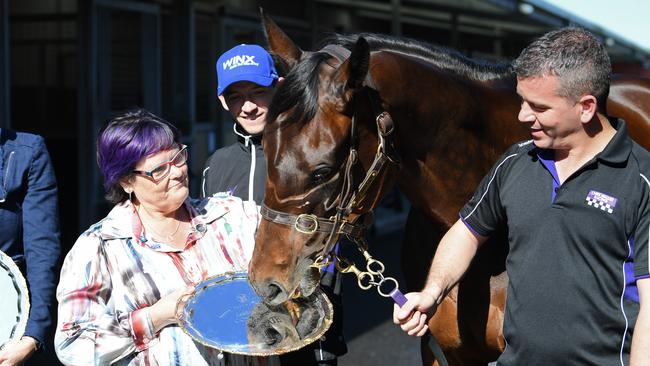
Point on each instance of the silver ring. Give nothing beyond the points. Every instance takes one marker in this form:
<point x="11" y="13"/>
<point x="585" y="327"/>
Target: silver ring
<point x="387" y="279"/>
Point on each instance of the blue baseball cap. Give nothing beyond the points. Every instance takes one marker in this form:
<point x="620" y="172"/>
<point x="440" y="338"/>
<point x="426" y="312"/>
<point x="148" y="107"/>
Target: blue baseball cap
<point x="246" y="62"/>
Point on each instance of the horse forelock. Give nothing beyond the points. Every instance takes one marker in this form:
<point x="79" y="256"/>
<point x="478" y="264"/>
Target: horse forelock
<point x="299" y="92"/>
<point x="443" y="58"/>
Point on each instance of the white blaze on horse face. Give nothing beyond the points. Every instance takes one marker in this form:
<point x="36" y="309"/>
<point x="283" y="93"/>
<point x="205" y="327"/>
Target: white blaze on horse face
<point x="303" y="196"/>
<point x="294" y="185"/>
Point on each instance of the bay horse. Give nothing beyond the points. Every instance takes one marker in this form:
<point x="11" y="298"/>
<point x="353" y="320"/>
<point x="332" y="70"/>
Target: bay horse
<point x="451" y="118"/>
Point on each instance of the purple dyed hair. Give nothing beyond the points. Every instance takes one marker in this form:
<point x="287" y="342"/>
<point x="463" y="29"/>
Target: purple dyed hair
<point x="127" y="139"/>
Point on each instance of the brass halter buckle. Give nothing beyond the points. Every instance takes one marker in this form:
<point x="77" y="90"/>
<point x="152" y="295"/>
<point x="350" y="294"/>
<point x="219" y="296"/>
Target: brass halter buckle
<point x="322" y="261"/>
<point x="306" y="223"/>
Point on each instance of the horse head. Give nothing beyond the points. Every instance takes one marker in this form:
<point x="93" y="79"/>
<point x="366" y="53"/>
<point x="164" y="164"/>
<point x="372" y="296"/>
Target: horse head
<point x="315" y="164"/>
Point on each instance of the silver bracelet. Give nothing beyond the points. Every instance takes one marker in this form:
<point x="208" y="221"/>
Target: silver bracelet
<point x="149" y="331"/>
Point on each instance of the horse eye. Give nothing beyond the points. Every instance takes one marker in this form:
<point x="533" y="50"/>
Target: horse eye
<point x="320" y="175"/>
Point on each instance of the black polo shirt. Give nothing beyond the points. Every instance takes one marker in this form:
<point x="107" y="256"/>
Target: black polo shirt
<point x="575" y="251"/>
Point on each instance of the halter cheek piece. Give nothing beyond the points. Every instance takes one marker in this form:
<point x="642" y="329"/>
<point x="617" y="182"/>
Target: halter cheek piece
<point x="348" y="199"/>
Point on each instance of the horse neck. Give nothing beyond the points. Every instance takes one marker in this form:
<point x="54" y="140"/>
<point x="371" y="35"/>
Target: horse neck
<point x="449" y="129"/>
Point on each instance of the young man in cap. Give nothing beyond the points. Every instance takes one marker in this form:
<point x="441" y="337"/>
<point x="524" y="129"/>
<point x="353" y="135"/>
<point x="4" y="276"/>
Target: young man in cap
<point x="246" y="83"/>
<point x="247" y="80"/>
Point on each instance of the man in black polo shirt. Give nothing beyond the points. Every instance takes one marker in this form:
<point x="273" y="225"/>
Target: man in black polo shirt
<point x="576" y="202"/>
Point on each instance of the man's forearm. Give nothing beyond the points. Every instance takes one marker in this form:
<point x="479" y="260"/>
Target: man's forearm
<point x="453" y="256"/>
<point x="641" y="342"/>
<point x="641" y="336"/>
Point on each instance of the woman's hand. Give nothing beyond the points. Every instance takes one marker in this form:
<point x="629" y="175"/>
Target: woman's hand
<point x="163" y="312"/>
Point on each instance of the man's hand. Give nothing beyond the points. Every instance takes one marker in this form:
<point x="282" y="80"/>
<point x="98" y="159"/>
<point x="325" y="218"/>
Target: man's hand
<point x="413" y="316"/>
<point x="17" y="352"/>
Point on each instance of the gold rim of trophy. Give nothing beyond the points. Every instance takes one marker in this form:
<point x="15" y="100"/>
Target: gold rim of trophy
<point x="327" y="321"/>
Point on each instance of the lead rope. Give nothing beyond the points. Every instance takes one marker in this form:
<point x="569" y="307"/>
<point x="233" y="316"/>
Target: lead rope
<point x="374" y="276"/>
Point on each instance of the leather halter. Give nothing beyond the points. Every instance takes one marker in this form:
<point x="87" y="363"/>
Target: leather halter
<point x="348" y="198"/>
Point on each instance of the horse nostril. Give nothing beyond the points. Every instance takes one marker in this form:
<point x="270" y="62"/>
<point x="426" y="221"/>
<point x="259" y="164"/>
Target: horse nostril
<point x="275" y="294"/>
<point x="274" y="290"/>
<point x="272" y="336"/>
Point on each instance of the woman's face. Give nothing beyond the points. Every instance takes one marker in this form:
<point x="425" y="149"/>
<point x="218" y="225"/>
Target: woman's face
<point x="161" y="183"/>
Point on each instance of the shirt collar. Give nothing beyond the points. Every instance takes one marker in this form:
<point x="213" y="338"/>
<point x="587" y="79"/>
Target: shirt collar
<point x="124" y="223"/>
<point x="242" y="134"/>
<point x="617" y="149"/>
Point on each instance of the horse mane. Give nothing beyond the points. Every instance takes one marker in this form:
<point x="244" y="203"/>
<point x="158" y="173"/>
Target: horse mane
<point x="300" y="88"/>
<point x="444" y="58"/>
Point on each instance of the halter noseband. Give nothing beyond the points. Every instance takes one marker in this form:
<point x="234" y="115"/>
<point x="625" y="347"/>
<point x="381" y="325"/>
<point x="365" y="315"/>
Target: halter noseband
<point x="347" y="199"/>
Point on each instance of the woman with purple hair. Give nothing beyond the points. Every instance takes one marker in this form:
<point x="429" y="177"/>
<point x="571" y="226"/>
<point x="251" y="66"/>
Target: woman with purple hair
<point x="122" y="279"/>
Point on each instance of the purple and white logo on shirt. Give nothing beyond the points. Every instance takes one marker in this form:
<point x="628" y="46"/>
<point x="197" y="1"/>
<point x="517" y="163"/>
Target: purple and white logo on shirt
<point x="601" y="201"/>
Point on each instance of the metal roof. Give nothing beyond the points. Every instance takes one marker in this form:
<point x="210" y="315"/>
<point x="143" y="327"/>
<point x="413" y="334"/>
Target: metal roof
<point x="493" y="18"/>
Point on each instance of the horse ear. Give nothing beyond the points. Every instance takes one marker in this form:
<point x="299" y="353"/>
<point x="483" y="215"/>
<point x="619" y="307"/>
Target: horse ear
<point x="353" y="71"/>
<point x="279" y="43"/>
